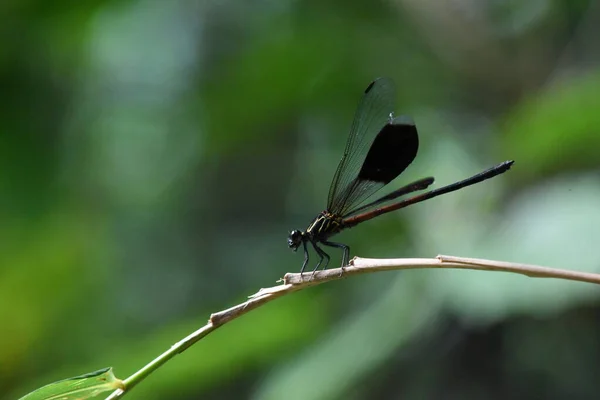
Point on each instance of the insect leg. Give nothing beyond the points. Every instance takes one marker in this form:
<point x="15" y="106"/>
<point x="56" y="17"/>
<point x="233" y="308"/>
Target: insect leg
<point x="323" y="255"/>
<point x="326" y="256"/>
<point x="305" y="257"/>
<point x="345" y="250"/>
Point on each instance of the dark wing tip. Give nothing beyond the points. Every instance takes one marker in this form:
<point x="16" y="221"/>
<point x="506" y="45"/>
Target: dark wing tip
<point x="368" y="89"/>
<point x="424" y="183"/>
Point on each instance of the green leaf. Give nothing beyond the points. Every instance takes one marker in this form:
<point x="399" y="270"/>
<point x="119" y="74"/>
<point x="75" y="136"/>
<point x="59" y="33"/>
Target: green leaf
<point x="556" y="129"/>
<point x="80" y="387"/>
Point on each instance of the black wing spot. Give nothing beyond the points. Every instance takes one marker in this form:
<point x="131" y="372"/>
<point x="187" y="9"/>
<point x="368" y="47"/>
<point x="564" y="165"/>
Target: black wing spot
<point x="393" y="149"/>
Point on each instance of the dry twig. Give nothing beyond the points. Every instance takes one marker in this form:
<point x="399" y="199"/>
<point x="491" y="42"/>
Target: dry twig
<point x="294" y="282"/>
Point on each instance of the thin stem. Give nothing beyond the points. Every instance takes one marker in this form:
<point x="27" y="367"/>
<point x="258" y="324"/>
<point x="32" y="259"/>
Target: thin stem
<point x="294" y="282"/>
<point x="369" y="265"/>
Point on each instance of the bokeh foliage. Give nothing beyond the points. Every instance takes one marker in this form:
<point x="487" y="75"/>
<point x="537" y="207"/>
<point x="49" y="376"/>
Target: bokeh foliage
<point x="154" y="154"/>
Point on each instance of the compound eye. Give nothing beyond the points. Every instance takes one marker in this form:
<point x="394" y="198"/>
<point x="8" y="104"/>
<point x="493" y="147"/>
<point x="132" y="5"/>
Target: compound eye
<point x="294" y="239"/>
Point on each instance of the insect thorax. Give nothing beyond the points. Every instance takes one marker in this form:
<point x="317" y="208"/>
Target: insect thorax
<point x="324" y="225"/>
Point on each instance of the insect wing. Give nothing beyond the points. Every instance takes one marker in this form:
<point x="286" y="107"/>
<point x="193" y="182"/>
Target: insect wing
<point x="372" y="114"/>
<point x="379" y="148"/>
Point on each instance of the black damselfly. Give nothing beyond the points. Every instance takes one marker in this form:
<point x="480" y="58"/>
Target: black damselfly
<point x="379" y="148"/>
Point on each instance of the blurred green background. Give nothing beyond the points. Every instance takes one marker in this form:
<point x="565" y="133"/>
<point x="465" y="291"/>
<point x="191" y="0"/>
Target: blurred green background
<point x="154" y="155"/>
